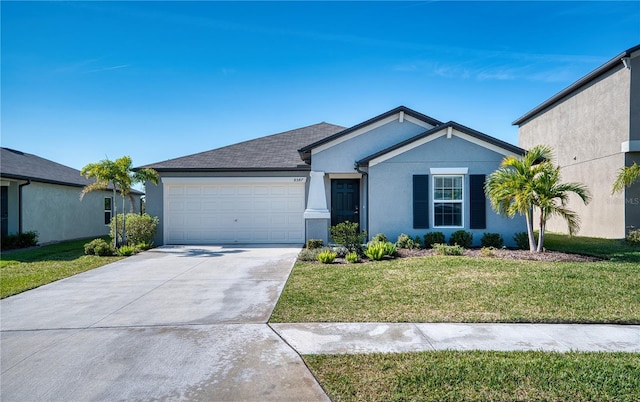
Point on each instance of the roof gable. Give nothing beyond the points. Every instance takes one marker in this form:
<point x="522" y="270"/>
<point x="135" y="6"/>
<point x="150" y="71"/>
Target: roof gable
<point x="618" y="61"/>
<point x="271" y="153"/>
<point x="449" y="129"/>
<point x="400" y="113"/>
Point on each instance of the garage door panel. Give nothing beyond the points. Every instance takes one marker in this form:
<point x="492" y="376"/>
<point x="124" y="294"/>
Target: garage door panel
<point x="262" y="212"/>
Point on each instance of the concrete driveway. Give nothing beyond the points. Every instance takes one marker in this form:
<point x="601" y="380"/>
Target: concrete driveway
<point x="173" y="323"/>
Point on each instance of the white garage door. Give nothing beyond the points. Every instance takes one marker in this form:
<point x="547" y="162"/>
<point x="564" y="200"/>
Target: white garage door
<point x="234" y="210"/>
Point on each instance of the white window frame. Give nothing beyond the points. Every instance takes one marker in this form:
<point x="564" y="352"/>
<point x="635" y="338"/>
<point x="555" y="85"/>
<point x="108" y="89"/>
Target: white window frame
<point x="435" y="201"/>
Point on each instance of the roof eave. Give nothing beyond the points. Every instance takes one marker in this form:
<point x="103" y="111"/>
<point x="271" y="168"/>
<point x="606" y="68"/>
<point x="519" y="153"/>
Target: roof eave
<point x="616" y="61"/>
<point x="301" y="168"/>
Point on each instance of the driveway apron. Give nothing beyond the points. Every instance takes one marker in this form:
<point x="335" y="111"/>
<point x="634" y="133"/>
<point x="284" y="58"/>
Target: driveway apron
<point x="173" y="323"/>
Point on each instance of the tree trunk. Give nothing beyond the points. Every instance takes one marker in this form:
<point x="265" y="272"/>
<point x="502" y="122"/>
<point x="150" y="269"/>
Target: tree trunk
<point x="114" y="214"/>
<point x="543" y="225"/>
<point x="532" y="240"/>
<point x="124" y="222"/>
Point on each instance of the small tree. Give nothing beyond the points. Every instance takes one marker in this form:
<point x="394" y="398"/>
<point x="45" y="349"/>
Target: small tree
<point x="522" y="184"/>
<point x="626" y="177"/>
<point x="348" y="234"/>
<point x="121" y="176"/>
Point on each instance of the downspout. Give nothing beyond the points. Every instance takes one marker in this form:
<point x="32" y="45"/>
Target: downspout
<point x="20" y="204"/>
<point x="366" y="190"/>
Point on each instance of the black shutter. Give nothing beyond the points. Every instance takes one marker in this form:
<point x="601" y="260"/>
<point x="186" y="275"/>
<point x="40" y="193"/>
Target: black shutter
<point x="421" y="201"/>
<point x="478" y="202"/>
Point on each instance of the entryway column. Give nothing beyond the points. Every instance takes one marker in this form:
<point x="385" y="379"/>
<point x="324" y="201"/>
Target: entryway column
<point x="317" y="215"/>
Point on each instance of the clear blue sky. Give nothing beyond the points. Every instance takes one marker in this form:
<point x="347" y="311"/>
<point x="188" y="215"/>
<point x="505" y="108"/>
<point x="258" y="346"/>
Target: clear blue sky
<point x="82" y="81"/>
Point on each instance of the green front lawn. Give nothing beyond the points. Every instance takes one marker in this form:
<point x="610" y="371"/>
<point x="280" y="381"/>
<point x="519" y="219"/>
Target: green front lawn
<point x="464" y="289"/>
<point x="479" y="376"/>
<point x="28" y="269"/>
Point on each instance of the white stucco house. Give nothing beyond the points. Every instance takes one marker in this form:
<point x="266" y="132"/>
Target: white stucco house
<point x="398" y="172"/>
<point x="44" y="196"/>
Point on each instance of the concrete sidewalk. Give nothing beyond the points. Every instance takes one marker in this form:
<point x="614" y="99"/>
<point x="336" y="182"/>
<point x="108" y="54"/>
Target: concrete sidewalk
<point x="334" y="338"/>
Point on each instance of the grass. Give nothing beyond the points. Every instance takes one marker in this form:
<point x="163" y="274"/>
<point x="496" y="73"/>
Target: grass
<point x="611" y="249"/>
<point x="479" y="376"/>
<point x="28" y="269"/>
<point x="462" y="289"/>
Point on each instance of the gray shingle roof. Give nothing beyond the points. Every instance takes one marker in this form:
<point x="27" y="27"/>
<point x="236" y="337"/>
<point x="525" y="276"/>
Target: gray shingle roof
<point x="273" y="152"/>
<point x="21" y="165"/>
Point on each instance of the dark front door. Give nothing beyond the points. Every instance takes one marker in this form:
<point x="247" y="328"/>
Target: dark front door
<point x="4" y="206"/>
<point x="345" y="198"/>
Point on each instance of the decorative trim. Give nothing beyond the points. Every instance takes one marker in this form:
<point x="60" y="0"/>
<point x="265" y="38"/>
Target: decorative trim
<point x="630" y="146"/>
<point x="213" y="180"/>
<point x="345" y="175"/>
<point x="446" y="171"/>
<point x="404" y="149"/>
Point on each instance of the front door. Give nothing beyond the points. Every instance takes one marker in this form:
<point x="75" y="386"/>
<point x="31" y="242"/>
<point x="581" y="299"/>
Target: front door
<point x="345" y="198"/>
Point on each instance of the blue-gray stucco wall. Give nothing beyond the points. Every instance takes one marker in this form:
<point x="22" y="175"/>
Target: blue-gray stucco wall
<point x="391" y="188"/>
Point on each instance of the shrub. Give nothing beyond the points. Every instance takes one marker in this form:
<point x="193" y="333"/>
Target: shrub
<point x="98" y="247"/>
<point x="340" y="251"/>
<point x="380" y="237"/>
<point x="348" y="234"/>
<point x="462" y="238"/>
<point x="432" y="238"/>
<point x="20" y="240"/>
<point x="405" y="241"/>
<point x="377" y="250"/>
<point x="326" y="256"/>
<point x="126" y="251"/>
<point x="522" y="240"/>
<point x="309" y="254"/>
<point x="313" y="244"/>
<point x="492" y="240"/>
<point x="443" y="249"/>
<point x="488" y="251"/>
<point x="633" y="236"/>
<point x="144" y="246"/>
<point x="352" y="257"/>
<point x="140" y="228"/>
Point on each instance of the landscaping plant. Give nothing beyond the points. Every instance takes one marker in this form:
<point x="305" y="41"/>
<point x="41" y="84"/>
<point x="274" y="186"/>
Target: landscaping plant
<point x="326" y="256"/>
<point x="348" y="234"/>
<point x="20" y="240"/>
<point x="98" y="247"/>
<point x="352" y="257"/>
<point x="432" y="238"/>
<point x="462" y="238"/>
<point x="492" y="240"/>
<point x="405" y="241"/>
<point x="377" y="250"/>
<point x="444" y="249"/>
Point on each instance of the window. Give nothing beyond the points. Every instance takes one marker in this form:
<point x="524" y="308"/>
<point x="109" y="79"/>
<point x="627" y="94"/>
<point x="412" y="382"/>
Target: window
<point x="107" y="210"/>
<point x="447" y="200"/>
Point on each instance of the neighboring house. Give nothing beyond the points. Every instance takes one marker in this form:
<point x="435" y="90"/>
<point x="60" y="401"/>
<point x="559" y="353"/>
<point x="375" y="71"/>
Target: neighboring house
<point x="399" y="172"/>
<point x="594" y="127"/>
<point x="44" y="196"/>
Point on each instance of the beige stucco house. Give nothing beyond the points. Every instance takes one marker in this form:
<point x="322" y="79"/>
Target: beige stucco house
<point x="594" y="127"/>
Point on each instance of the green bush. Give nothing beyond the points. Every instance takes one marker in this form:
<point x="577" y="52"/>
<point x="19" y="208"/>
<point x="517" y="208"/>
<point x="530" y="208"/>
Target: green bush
<point x="326" y="256"/>
<point x="20" y="240"/>
<point x="443" y="249"/>
<point x="405" y="241"/>
<point x="126" y="251"/>
<point x="633" y="236"/>
<point x="314" y="244"/>
<point x="98" y="247"/>
<point x="462" y="238"/>
<point x="309" y="254"/>
<point x="340" y="251"/>
<point x="140" y="228"/>
<point x="380" y="237"/>
<point x="377" y="250"/>
<point x="492" y="240"/>
<point x="432" y="238"/>
<point x="522" y="240"/>
<point x="348" y="234"/>
<point x="352" y="257"/>
<point x="144" y="246"/>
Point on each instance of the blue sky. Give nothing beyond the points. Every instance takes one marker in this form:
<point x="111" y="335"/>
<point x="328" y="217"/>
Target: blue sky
<point x="82" y="81"/>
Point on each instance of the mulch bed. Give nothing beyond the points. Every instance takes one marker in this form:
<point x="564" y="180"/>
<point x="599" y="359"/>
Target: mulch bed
<point x="508" y="254"/>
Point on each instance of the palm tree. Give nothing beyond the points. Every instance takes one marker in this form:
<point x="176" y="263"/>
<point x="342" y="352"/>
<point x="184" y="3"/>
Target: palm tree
<point x="626" y="177"/>
<point x="510" y="188"/>
<point x="122" y="177"/>
<point x="551" y="198"/>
